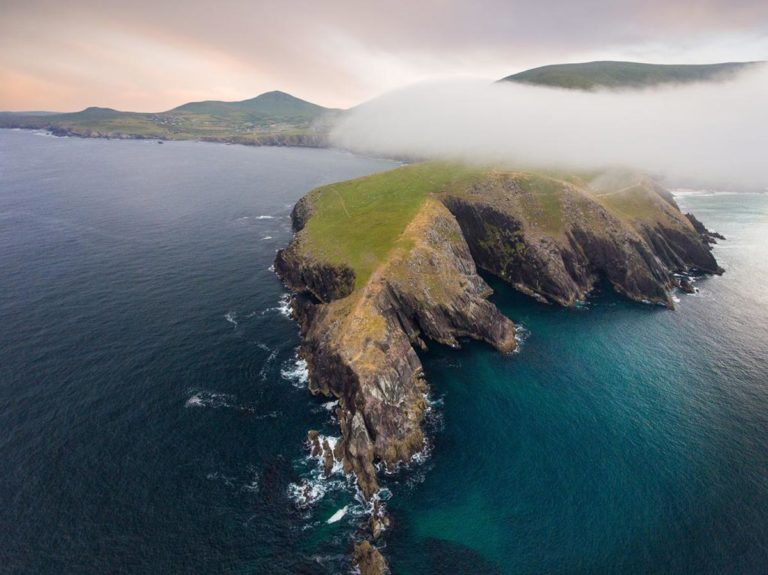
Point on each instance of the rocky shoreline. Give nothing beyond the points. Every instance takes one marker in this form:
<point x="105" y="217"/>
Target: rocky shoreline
<point x="553" y="241"/>
<point x="274" y="140"/>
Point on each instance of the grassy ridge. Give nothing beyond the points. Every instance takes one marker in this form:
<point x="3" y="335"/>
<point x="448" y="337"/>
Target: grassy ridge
<point x="593" y="75"/>
<point x="360" y="221"/>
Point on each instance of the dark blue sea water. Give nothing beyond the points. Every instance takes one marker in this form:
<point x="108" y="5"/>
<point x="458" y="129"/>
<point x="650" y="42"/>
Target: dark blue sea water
<point x="152" y="412"/>
<point x="145" y="424"/>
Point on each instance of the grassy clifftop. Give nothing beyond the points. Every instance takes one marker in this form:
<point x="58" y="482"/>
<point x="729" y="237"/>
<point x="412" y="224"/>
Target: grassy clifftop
<point x="549" y="234"/>
<point x="389" y="262"/>
<point x="358" y="222"/>
<point x="608" y="74"/>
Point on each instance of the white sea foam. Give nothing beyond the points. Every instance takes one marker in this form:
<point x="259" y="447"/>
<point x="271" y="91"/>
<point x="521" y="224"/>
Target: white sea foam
<point x="283" y="306"/>
<point x="421" y="456"/>
<point x="231" y="317"/>
<point x="338" y="467"/>
<point x="267" y="362"/>
<point x="297" y="372"/>
<point x="384" y="494"/>
<point x="306" y="493"/>
<point x="267" y="238"/>
<point x="265" y="217"/>
<point x="209" y="399"/>
<point x="331" y="405"/>
<point x="522" y="333"/>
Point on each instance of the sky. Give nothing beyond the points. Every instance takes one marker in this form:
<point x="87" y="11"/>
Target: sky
<point x="153" y="55"/>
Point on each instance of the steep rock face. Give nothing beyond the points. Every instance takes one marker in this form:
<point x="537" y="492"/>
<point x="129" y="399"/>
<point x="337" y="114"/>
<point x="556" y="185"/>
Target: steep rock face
<point x="551" y="237"/>
<point x="554" y="245"/>
<point x="360" y="347"/>
<point x="708" y="236"/>
<point x="302" y="272"/>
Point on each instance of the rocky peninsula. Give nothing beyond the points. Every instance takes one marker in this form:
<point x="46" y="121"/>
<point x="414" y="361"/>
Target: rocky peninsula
<point x="381" y="266"/>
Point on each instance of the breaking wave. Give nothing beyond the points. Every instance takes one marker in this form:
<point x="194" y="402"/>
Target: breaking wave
<point x="296" y="371"/>
<point x="283" y="306"/>
<point x="315" y="484"/>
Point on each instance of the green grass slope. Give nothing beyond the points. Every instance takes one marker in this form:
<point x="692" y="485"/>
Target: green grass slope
<point x="275" y="105"/>
<point x="607" y="74"/>
<point x="271" y="118"/>
<point x="359" y="222"/>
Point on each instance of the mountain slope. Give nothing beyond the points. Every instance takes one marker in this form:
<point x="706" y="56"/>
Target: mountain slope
<point x="277" y="105"/>
<point x="273" y="118"/>
<point x="608" y="74"/>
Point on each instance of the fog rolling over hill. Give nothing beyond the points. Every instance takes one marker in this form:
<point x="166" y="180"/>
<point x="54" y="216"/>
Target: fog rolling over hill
<point x="626" y="75"/>
<point x="278" y="118"/>
<point x="713" y="132"/>
<point x="272" y="118"/>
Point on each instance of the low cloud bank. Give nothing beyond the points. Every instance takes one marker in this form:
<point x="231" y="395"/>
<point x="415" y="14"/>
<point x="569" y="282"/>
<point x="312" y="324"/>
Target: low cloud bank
<point x="711" y="133"/>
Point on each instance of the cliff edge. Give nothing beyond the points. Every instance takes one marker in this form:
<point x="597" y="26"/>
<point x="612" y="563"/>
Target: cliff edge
<point x="383" y="265"/>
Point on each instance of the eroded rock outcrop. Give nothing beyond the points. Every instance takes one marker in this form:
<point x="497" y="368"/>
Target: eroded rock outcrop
<point x="359" y="346"/>
<point x="369" y="560"/>
<point x="550" y="237"/>
<point x="554" y="241"/>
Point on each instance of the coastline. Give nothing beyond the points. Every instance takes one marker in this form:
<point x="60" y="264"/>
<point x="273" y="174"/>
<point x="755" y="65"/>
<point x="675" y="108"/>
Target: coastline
<point x="380" y="399"/>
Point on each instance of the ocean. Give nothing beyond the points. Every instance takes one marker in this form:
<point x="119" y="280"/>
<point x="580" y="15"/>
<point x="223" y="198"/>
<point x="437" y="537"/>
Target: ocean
<point x="153" y="410"/>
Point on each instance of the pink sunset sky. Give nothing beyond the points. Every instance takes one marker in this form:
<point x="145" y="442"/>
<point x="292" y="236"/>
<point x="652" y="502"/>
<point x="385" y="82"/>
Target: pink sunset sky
<point x="154" y="55"/>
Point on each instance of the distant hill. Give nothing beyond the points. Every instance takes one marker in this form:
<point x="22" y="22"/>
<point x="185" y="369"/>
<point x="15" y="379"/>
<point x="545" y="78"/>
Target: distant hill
<point x="607" y="74"/>
<point x="29" y="113"/>
<point x="268" y="105"/>
<point x="272" y="118"/>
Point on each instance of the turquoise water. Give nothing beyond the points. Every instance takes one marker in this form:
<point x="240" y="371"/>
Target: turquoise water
<point x="621" y="439"/>
<point x="153" y="412"/>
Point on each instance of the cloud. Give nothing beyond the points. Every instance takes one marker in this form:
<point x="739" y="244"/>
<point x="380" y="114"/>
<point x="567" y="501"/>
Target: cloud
<point x="716" y="132"/>
<point x="340" y="52"/>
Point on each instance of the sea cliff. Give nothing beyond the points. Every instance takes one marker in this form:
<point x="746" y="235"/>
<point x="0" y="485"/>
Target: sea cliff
<point x="383" y="265"/>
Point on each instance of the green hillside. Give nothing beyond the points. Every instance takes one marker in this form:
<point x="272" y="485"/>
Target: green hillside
<point x="595" y="75"/>
<point x="273" y="118"/>
<point x="276" y="105"/>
